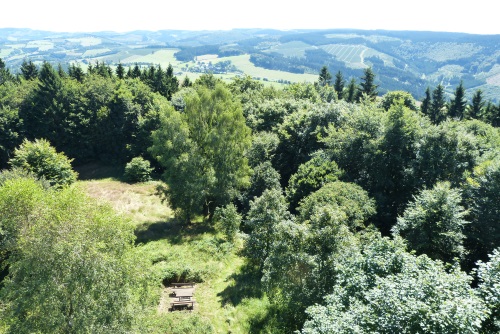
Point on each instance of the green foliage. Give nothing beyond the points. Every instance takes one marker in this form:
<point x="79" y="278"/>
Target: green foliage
<point x="325" y="78"/>
<point x="70" y="268"/>
<point x="40" y="158"/>
<point x="395" y="97"/>
<point x="348" y="198"/>
<point x="266" y="212"/>
<point x="339" y="85"/>
<point x="311" y="176"/>
<point x="228" y="221"/>
<point x="264" y="177"/>
<point x="488" y="274"/>
<point x="263" y="148"/>
<point x="459" y="103"/>
<point x="385" y="290"/>
<point x="300" y="132"/>
<point x="483" y="199"/>
<point x="438" y="110"/>
<point x="433" y="223"/>
<point x="138" y="170"/>
<point x="367" y="86"/>
<point x="202" y="151"/>
<point x="10" y="136"/>
<point x="29" y="70"/>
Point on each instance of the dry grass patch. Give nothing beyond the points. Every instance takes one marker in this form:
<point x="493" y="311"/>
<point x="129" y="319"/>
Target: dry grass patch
<point x="136" y="201"/>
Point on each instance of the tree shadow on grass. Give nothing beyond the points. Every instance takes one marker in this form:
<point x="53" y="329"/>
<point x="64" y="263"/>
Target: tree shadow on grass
<point x="175" y="231"/>
<point x="246" y="284"/>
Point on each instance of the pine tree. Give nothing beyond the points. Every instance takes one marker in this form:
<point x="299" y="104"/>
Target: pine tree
<point x="186" y="82"/>
<point x="76" y="72"/>
<point x="367" y="85"/>
<point x="339" y="85"/>
<point x="352" y="90"/>
<point x="5" y="74"/>
<point x="476" y="108"/>
<point x="325" y="78"/>
<point x="29" y="70"/>
<point x="438" y="106"/>
<point x="120" y="71"/>
<point x="426" y="102"/>
<point x="459" y="103"/>
<point x="136" y="71"/>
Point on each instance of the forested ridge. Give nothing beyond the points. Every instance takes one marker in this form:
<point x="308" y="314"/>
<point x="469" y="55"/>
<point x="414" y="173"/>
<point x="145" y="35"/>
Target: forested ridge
<point x="352" y="211"/>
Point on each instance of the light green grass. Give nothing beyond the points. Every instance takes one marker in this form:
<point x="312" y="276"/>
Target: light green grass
<point x="163" y="57"/>
<point x="41" y="45"/>
<point x="86" y="41"/>
<point x="228" y="297"/>
<point x="95" y="52"/>
<point x="291" y="49"/>
<point x="243" y="63"/>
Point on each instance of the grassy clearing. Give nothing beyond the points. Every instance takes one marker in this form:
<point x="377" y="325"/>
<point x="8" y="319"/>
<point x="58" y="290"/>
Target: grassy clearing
<point x="243" y="63"/>
<point x="162" y="57"/>
<point x="95" y="52"/>
<point x="228" y="294"/>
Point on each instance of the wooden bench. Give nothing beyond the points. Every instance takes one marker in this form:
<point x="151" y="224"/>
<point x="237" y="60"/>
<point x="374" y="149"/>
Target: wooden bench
<point x="187" y="303"/>
<point x="180" y="285"/>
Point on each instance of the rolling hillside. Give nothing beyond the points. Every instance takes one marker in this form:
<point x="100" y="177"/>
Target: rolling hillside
<point x="406" y="60"/>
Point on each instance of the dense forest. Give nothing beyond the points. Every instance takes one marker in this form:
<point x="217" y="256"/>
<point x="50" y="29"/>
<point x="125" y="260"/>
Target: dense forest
<point x="356" y="212"/>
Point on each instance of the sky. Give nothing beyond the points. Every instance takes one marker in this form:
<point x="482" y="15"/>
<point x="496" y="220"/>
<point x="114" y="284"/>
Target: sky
<point x="475" y="17"/>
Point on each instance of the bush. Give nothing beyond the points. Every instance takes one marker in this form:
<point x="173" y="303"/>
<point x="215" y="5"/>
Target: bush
<point x="138" y="170"/>
<point x="41" y="159"/>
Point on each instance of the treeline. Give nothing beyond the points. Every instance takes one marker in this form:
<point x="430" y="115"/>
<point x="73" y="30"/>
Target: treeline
<point x="378" y="213"/>
<point x="100" y="114"/>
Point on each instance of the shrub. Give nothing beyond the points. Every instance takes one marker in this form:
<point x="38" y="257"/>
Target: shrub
<point x="40" y="158"/>
<point x="138" y="170"/>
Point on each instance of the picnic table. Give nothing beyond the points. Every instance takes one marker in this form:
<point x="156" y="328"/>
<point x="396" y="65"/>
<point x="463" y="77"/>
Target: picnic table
<point x="180" y="285"/>
<point x="182" y="294"/>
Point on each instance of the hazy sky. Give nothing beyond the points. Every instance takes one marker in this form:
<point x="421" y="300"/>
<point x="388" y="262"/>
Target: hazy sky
<point x="96" y="15"/>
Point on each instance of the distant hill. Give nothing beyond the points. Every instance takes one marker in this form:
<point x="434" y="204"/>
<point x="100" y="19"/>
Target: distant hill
<point x="402" y="60"/>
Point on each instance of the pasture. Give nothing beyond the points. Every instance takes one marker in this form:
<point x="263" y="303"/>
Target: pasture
<point x="291" y="49"/>
<point x="243" y="63"/>
<point x="354" y="55"/>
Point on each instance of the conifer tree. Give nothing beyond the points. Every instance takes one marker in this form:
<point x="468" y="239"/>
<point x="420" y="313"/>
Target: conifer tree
<point x="325" y="78"/>
<point x="351" y="92"/>
<point x="339" y="85"/>
<point x="476" y="108"/>
<point x="367" y="85"/>
<point x="426" y="102"/>
<point x="29" y="70"/>
<point x="120" y="71"/>
<point x="5" y="74"/>
<point x="438" y="106"/>
<point x="76" y="72"/>
<point x="459" y="103"/>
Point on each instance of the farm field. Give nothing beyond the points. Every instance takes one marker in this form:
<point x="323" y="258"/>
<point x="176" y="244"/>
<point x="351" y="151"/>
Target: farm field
<point x="162" y="57"/>
<point x="354" y="55"/>
<point x="243" y="63"/>
<point x="292" y="49"/>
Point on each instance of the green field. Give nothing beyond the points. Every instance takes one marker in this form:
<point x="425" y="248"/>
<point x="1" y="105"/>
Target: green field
<point x="95" y="52"/>
<point x="86" y="41"/>
<point x="243" y="63"/>
<point x="292" y="49"/>
<point x="41" y="45"/>
<point x="162" y="57"/>
<point x="354" y="55"/>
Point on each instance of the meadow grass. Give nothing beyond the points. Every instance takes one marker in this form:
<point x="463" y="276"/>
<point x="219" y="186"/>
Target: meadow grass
<point x="228" y="293"/>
